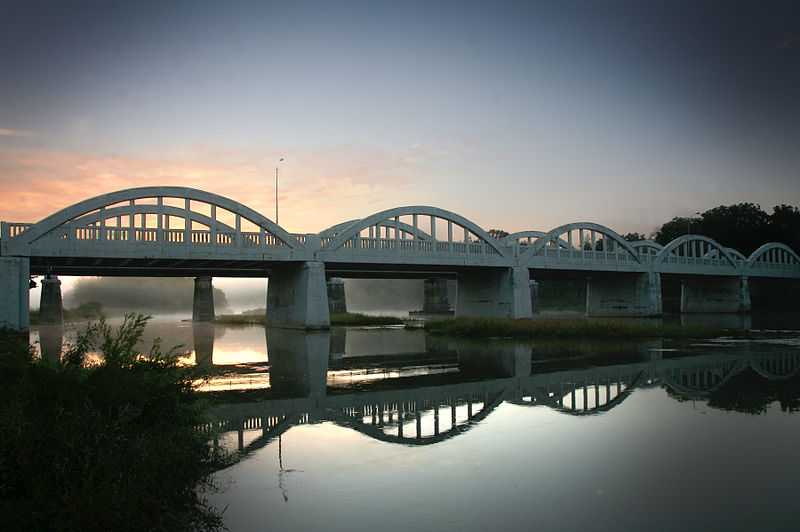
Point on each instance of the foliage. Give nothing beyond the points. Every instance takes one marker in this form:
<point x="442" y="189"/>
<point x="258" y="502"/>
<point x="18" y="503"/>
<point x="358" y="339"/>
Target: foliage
<point x="634" y="237"/>
<point x="744" y="226"/>
<point x="752" y="394"/>
<point x="112" y="446"/>
<point x="565" y="328"/>
<point x="498" y="233"/>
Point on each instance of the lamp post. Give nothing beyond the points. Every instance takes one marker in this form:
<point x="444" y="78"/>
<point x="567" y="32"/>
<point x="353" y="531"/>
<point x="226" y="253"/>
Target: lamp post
<point x="276" y="189"/>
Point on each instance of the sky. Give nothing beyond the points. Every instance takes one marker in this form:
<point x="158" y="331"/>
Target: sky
<point x="516" y="115"/>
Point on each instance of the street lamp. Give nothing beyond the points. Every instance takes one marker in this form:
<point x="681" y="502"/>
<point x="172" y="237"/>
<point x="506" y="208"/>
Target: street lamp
<point x="276" y="189"/>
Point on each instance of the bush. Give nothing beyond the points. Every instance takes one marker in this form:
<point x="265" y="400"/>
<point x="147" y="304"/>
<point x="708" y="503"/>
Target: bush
<point x="113" y="446"/>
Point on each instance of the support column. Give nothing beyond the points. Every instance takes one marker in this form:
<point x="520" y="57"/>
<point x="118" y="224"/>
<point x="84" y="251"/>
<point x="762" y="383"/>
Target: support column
<point x="624" y="295"/>
<point x="715" y="295"/>
<point x="203" y="307"/>
<point x="14" y="286"/>
<point x="337" y="300"/>
<point x="494" y="293"/>
<point x="435" y="297"/>
<point x="534" y="297"/>
<point x="297" y="296"/>
<point x="51" y="310"/>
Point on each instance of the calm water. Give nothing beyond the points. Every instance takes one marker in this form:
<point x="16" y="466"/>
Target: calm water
<point x="366" y="429"/>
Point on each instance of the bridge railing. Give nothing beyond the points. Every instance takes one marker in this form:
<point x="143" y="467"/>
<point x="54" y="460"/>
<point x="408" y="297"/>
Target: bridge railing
<point x="198" y="237"/>
<point x="415" y="247"/>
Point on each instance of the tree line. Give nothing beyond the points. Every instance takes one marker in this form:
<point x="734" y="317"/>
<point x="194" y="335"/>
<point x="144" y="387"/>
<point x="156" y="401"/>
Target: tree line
<point x="743" y="226"/>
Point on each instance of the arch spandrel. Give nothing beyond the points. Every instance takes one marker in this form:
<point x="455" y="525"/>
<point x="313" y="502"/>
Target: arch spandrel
<point x="673" y="246"/>
<point x="82" y="208"/>
<point x="378" y="218"/>
<point x="764" y="251"/>
<point x="556" y="233"/>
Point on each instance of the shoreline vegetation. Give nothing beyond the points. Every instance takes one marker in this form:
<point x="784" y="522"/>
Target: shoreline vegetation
<point x="109" y="445"/>
<point x="530" y="329"/>
<point x="345" y="319"/>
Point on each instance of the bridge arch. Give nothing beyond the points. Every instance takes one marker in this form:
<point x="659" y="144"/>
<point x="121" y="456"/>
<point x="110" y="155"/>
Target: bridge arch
<point x="613" y="241"/>
<point x="647" y="247"/>
<point x="93" y="218"/>
<point x="773" y="253"/>
<point x="390" y="219"/>
<point x="531" y="237"/>
<point x="695" y="247"/>
<point x="408" y="229"/>
<point x="78" y="210"/>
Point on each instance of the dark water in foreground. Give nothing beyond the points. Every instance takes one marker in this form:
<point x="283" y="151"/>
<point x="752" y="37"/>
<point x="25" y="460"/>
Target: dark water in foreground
<point x="388" y="429"/>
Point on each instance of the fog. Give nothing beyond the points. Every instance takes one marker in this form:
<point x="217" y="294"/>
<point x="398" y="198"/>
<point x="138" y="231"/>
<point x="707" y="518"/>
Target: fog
<point x="157" y="295"/>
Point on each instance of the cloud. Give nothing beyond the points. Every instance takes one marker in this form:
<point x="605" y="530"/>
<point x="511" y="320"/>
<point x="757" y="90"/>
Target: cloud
<point x="317" y="187"/>
<point x="6" y="132"/>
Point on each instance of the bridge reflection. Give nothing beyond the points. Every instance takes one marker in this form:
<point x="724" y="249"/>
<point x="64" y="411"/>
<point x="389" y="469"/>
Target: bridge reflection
<point x="425" y="409"/>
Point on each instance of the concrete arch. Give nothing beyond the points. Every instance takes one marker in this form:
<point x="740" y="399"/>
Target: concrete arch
<point x="94" y="217"/>
<point x="514" y="237"/>
<point x="379" y="217"/>
<point x="77" y="210"/>
<point x="649" y="245"/>
<point x="766" y="248"/>
<point x="418" y="233"/>
<point x="675" y="244"/>
<point x="576" y="226"/>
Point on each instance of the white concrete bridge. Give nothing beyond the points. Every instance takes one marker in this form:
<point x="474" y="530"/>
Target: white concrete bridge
<point x="177" y="231"/>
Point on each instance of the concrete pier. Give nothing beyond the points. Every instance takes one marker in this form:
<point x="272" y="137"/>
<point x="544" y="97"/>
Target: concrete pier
<point x="337" y="299"/>
<point x="624" y="295"/>
<point x="494" y="293"/>
<point x="203" y="306"/>
<point x="14" y="286"/>
<point x="297" y="296"/>
<point x="715" y="295"/>
<point x="51" y="309"/>
<point x="534" y="297"/>
<point x="435" y="299"/>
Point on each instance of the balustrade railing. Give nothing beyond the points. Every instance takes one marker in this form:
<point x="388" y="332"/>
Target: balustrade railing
<point x="413" y="246"/>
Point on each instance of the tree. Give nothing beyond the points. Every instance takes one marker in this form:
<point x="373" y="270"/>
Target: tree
<point x="785" y="226"/>
<point x="634" y="237"/>
<point x="498" y="233"/>
<point x="744" y="226"/>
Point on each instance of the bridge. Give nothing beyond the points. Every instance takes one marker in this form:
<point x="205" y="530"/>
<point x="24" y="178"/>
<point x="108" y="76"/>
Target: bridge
<point x="178" y="231"/>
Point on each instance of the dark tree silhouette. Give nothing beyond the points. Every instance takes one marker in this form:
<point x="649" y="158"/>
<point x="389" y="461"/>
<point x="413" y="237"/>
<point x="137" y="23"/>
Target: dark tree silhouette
<point x="744" y="226"/>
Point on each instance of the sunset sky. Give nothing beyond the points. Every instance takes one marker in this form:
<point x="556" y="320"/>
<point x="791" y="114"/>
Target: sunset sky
<point x="516" y="115"/>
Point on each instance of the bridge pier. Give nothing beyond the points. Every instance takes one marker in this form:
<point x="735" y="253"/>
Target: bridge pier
<point x="14" y="286"/>
<point x="203" y="306"/>
<point x="435" y="297"/>
<point x="623" y="295"/>
<point x="494" y="293"/>
<point x="297" y="296"/>
<point x="337" y="299"/>
<point x="534" y="297"/>
<point x="715" y="295"/>
<point x="51" y="309"/>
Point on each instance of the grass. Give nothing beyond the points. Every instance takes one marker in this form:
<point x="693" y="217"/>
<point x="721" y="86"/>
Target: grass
<point x="110" y="446"/>
<point x="567" y="328"/>
<point x="343" y="319"/>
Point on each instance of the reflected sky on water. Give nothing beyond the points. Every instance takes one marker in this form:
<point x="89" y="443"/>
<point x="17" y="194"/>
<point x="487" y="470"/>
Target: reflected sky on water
<point x="365" y="429"/>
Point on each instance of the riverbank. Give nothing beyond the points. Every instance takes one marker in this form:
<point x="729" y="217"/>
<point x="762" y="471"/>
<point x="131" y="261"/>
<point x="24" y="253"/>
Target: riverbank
<point x="342" y="320"/>
<point x="109" y="445"/>
<point x="571" y="328"/>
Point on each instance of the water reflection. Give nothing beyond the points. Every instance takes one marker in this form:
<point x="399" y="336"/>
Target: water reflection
<point x="416" y="412"/>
